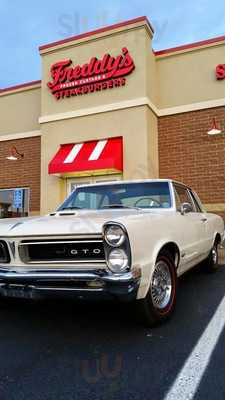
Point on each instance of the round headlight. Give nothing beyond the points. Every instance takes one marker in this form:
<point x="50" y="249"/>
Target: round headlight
<point x="114" y="235"/>
<point x="117" y="261"/>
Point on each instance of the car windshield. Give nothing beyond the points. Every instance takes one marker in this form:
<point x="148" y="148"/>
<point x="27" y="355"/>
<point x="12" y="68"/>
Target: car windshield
<point x="146" y="195"/>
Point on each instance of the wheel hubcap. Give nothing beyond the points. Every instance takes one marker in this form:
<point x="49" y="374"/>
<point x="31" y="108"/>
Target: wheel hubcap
<point x="161" y="285"/>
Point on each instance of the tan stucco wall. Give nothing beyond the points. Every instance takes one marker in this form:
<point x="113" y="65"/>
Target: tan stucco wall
<point x="152" y="74"/>
<point x="167" y="81"/>
<point x="131" y="124"/>
<point x="136" y="86"/>
<point x="153" y="151"/>
<point x="20" y="111"/>
<point x="189" y="77"/>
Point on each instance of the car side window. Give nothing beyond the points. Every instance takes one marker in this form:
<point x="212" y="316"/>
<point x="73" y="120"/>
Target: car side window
<point x="197" y="205"/>
<point x="182" y="195"/>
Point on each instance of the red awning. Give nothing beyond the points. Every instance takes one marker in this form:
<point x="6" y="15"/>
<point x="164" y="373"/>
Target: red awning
<point x="95" y="156"/>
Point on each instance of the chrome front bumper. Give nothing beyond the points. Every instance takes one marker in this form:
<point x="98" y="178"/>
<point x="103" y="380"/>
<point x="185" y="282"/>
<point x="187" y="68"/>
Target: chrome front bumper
<point x="91" y="285"/>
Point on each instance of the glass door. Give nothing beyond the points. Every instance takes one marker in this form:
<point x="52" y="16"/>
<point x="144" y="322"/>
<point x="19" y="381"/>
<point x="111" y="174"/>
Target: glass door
<point x="72" y="183"/>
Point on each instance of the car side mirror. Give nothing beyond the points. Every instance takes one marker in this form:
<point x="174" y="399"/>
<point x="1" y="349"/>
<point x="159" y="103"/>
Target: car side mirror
<point x="186" y="208"/>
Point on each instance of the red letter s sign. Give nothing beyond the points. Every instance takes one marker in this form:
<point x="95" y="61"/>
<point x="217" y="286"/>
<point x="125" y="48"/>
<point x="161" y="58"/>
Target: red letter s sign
<point x="220" y="71"/>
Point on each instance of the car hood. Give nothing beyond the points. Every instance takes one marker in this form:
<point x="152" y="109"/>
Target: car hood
<point x="68" y="222"/>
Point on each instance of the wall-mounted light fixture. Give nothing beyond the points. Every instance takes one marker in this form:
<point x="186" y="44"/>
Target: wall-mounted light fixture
<point x="14" y="154"/>
<point x="215" y="129"/>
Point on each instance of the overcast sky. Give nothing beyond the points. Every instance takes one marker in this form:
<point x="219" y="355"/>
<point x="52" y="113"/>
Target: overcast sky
<point x="27" y="24"/>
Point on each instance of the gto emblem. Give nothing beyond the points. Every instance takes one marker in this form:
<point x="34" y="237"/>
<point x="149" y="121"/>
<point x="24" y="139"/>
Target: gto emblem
<point x="75" y="252"/>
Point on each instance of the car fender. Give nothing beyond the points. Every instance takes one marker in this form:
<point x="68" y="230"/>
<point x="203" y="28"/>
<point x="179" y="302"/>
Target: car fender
<point x="147" y="269"/>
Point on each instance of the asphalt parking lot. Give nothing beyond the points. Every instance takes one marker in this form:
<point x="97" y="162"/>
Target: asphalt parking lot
<point x="67" y="351"/>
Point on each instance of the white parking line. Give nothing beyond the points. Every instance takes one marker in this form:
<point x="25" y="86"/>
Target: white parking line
<point x="189" y="378"/>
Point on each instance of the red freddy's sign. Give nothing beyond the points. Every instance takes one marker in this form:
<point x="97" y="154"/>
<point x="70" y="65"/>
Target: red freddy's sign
<point x="99" y="74"/>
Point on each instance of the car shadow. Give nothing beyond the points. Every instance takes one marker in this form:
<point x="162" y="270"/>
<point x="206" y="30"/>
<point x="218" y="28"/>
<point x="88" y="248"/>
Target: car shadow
<point x="67" y="350"/>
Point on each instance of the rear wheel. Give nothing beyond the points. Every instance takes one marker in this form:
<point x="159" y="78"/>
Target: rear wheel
<point x="159" y="303"/>
<point x="212" y="261"/>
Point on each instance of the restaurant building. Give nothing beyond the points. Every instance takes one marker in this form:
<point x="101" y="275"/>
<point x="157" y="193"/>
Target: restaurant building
<point x="110" y="107"/>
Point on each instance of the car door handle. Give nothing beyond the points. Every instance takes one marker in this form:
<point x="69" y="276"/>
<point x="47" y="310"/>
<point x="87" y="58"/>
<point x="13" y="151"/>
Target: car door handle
<point x="204" y="219"/>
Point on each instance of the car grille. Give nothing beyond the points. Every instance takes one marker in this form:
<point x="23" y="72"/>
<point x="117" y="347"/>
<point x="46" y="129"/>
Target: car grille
<point x="61" y="251"/>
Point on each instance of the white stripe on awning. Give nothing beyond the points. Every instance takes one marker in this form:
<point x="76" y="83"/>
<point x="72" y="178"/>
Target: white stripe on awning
<point x="97" y="150"/>
<point x="73" y="153"/>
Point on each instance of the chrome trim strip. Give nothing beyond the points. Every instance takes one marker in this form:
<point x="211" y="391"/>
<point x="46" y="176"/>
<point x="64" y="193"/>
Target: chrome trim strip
<point x="75" y="262"/>
<point x="64" y="235"/>
<point x="61" y="242"/>
<point x="65" y="289"/>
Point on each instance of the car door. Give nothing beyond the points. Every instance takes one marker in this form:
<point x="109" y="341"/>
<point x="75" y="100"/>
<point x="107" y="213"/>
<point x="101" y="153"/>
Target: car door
<point x="208" y="223"/>
<point x="194" y="229"/>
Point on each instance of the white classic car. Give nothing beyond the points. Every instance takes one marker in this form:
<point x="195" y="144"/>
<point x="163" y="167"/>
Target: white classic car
<point x="124" y="240"/>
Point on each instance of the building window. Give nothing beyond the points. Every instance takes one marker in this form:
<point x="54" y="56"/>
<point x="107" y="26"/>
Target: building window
<point x="14" y="202"/>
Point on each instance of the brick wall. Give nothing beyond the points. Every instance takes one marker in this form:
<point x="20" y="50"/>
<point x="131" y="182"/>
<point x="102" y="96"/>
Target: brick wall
<point x="222" y="214"/>
<point x="23" y="172"/>
<point x="189" y="155"/>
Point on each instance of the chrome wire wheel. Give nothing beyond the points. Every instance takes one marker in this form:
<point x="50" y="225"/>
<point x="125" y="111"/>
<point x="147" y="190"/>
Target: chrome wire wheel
<point x="211" y="264"/>
<point x="160" y="301"/>
<point x="214" y="255"/>
<point x="161" y="285"/>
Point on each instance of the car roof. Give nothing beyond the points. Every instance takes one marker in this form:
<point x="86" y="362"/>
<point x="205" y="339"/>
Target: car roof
<point x="122" y="182"/>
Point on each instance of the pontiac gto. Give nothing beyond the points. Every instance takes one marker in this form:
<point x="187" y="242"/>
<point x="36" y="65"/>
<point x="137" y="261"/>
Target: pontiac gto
<point x="123" y="240"/>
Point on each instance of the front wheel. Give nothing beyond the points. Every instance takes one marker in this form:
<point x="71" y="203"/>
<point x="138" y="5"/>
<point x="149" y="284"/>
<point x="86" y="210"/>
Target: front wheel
<point x="159" y="303"/>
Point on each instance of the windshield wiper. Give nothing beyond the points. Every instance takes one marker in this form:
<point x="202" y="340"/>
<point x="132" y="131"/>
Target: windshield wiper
<point x="106" y="206"/>
<point x="71" y="208"/>
<point x="119" y="206"/>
